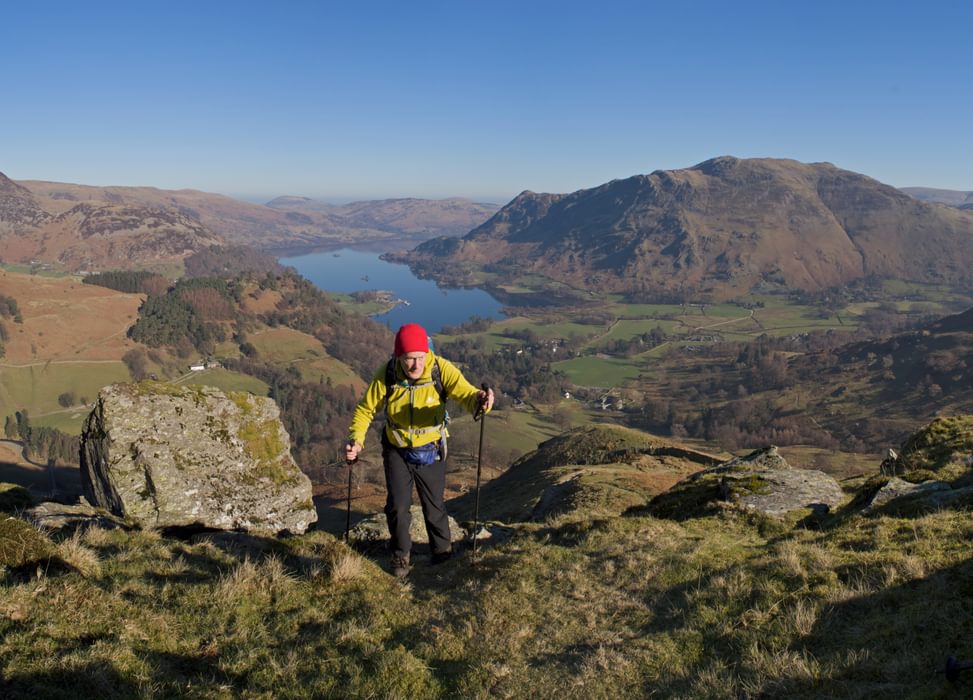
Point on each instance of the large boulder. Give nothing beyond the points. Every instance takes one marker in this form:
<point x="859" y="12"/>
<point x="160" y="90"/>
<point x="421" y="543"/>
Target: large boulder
<point x="161" y="455"/>
<point x="900" y="497"/>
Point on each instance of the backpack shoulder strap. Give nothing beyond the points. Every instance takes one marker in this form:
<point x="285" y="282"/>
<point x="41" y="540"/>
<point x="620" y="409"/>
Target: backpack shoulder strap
<point x="389" y="380"/>
<point x="437" y="380"/>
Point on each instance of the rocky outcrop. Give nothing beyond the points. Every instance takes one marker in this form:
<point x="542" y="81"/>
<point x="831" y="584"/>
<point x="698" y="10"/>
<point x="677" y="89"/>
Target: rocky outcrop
<point x="164" y="456"/>
<point x="374" y="531"/>
<point x="19" y="209"/>
<point x="762" y="481"/>
<point x="51" y="515"/>
<point x="900" y="495"/>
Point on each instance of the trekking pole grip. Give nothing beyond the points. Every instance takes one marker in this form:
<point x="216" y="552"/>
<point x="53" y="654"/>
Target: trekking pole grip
<point x="481" y="409"/>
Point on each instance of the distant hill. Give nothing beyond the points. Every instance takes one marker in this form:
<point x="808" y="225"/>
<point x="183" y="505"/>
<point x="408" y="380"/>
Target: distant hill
<point x="953" y="198"/>
<point x="28" y="208"/>
<point x="719" y="229"/>
<point x="414" y="218"/>
<point x="87" y="235"/>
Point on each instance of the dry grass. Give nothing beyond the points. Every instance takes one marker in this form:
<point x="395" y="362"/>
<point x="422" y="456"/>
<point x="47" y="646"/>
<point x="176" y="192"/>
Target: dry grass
<point x="79" y="556"/>
<point x="65" y="320"/>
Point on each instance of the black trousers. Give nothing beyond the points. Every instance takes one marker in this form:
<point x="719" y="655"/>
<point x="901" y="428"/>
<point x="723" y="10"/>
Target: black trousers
<point x="430" y="481"/>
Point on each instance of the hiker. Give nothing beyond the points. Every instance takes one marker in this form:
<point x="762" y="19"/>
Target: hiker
<point x="412" y="388"/>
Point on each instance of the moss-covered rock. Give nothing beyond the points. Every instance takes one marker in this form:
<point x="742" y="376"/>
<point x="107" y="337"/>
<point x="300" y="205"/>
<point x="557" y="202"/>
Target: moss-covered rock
<point x="161" y="456"/>
<point x="762" y="481"/>
<point x="944" y="443"/>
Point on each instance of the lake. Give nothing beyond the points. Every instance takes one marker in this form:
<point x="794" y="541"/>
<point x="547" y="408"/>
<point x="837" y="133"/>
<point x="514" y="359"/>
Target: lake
<point x="431" y="306"/>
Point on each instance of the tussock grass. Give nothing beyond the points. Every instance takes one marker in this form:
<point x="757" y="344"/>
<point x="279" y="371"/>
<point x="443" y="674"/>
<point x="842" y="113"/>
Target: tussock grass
<point x="80" y="557"/>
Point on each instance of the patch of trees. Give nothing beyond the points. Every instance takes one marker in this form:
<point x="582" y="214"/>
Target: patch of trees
<point x="190" y="315"/>
<point x="41" y="443"/>
<point x="762" y="366"/>
<point x="9" y="309"/>
<point x="526" y="375"/>
<point x="744" y="423"/>
<point x="137" y="362"/>
<point x="475" y="324"/>
<point x="203" y="311"/>
<point x="628" y="347"/>
<point x="230" y="261"/>
<point x="129" y="281"/>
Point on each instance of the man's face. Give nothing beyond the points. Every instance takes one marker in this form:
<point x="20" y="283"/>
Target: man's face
<point x="413" y="364"/>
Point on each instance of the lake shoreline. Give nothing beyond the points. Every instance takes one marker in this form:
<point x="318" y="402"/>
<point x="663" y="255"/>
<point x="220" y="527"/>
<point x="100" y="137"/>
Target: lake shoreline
<point x="410" y="299"/>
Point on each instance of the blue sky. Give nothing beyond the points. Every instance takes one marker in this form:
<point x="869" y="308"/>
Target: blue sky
<point x="343" y="101"/>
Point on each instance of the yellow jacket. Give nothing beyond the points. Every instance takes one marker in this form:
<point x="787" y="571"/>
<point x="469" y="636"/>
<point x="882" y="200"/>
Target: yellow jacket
<point x="416" y="416"/>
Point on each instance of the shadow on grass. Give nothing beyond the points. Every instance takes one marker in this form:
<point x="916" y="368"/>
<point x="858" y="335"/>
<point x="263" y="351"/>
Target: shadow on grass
<point x="91" y="680"/>
<point x="893" y="643"/>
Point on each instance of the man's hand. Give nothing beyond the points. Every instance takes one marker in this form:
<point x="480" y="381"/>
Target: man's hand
<point x="486" y="399"/>
<point x="351" y="452"/>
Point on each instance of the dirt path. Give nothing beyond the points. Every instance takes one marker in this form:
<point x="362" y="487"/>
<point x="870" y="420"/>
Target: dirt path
<point x="723" y="323"/>
<point x="61" y="362"/>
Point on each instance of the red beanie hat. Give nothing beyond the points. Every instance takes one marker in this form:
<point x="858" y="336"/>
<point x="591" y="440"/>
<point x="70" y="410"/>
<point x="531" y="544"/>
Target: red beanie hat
<point x="411" y="338"/>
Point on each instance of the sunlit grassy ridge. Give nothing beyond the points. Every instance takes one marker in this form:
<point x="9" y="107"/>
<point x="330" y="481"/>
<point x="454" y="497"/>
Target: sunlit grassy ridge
<point x="589" y="602"/>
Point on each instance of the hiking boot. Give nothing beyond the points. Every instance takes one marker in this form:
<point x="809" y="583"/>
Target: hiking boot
<point x="400" y="566"/>
<point x="440" y="557"/>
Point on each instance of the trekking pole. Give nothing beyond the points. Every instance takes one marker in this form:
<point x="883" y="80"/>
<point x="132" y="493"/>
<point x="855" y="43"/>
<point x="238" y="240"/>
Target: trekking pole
<point x="350" y="464"/>
<point x="480" y="415"/>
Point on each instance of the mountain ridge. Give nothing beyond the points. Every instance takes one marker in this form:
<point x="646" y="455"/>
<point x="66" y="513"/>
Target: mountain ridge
<point x="29" y="208"/>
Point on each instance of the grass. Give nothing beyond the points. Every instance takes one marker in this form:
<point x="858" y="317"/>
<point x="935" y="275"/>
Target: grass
<point x="598" y="372"/>
<point x="227" y="381"/>
<point x="577" y="607"/>
<point x="285" y="346"/>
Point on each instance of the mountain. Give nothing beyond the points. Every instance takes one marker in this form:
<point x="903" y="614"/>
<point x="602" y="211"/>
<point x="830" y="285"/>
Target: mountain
<point x="953" y="198"/>
<point x="286" y="222"/>
<point x="719" y="229"/>
<point x="18" y="207"/>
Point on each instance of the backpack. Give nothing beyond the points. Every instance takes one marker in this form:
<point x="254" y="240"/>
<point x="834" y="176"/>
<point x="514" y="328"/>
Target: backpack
<point x="437" y="382"/>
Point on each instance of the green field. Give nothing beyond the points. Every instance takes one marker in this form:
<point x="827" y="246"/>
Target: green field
<point x="43" y="270"/>
<point x="68" y="421"/>
<point x="227" y="381"/>
<point x="599" y="372"/>
<point x="36" y="387"/>
<point x="285" y="346"/>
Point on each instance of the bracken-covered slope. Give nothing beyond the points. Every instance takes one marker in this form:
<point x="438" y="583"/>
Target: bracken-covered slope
<point x="723" y="227"/>
<point x="870" y="389"/>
